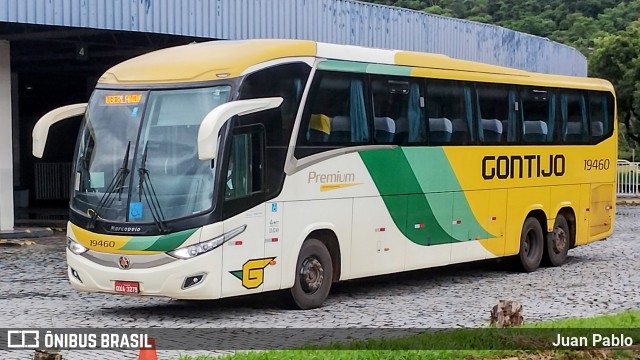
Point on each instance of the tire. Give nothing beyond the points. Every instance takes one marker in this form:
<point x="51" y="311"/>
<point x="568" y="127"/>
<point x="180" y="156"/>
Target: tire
<point x="531" y="245"/>
<point x="558" y="243"/>
<point x="314" y="274"/>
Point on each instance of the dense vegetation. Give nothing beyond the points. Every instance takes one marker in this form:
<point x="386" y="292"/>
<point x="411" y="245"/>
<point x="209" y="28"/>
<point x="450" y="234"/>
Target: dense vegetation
<point x="606" y="31"/>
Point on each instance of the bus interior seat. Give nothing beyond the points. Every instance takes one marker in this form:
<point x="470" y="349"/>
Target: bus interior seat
<point x="535" y="131"/>
<point x="597" y="128"/>
<point x="492" y="130"/>
<point x="440" y="130"/>
<point x="319" y="128"/>
<point x="385" y="129"/>
<point x="460" y="133"/>
<point x="402" y="130"/>
<point x="573" y="131"/>
<point x="340" y="129"/>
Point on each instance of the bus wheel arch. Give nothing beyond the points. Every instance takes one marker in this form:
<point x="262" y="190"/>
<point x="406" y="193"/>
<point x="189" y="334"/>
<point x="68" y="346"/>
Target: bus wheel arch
<point x="532" y="240"/>
<point x="313" y="276"/>
<point x="570" y="216"/>
<point x="560" y="239"/>
<point x="330" y="240"/>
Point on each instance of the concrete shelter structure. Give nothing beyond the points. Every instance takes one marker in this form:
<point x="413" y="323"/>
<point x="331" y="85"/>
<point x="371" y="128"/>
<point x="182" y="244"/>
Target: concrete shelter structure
<point x="52" y="53"/>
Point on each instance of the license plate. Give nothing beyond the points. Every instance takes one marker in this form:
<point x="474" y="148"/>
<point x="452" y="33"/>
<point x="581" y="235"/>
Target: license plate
<point x="127" y="287"/>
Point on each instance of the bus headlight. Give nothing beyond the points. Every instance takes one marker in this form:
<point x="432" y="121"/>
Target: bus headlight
<point x="75" y="247"/>
<point x="192" y="251"/>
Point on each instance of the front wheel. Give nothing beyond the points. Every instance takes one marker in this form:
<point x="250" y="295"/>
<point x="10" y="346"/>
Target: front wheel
<point x="314" y="274"/>
<point x="531" y="245"/>
<point x="558" y="242"/>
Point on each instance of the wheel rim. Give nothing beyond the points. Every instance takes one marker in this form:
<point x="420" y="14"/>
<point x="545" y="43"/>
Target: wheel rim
<point x="311" y="275"/>
<point x="559" y="240"/>
<point x="530" y="244"/>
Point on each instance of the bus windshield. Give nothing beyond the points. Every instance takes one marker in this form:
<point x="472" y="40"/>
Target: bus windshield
<point x="137" y="156"/>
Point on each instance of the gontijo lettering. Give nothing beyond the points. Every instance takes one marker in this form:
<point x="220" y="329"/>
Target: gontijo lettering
<point x="522" y="166"/>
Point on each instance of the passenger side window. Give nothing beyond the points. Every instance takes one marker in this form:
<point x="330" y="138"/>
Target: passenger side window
<point x="496" y="116"/>
<point x="538" y="112"/>
<point x="450" y="114"/>
<point x="245" y="170"/>
<point x="398" y="111"/>
<point x="286" y="81"/>
<point x="574" y="118"/>
<point x="335" y="113"/>
<point x="601" y="116"/>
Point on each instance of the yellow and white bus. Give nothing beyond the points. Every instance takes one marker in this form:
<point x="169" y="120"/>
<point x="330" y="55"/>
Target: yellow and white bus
<point x="237" y="167"/>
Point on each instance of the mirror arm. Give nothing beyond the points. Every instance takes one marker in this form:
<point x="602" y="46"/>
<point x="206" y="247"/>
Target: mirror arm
<point x="216" y="118"/>
<point x="41" y="129"/>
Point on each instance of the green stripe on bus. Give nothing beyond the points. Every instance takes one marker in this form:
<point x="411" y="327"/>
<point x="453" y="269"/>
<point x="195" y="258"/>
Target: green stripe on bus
<point x="445" y="180"/>
<point x="140" y="242"/>
<point x="358" y="67"/>
<point x="158" y="243"/>
<point x="385" y="69"/>
<point x="402" y="195"/>
<point x="346" y="66"/>
<point x="171" y="241"/>
<point x="421" y="203"/>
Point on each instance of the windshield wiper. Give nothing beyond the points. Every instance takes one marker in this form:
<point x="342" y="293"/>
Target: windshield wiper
<point x="117" y="184"/>
<point x="146" y="187"/>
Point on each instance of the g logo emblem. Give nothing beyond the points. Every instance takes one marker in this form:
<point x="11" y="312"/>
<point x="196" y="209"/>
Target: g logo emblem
<point x="252" y="273"/>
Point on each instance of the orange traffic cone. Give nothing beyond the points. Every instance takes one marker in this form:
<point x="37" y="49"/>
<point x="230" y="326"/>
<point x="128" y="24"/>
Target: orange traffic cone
<point x="148" y="353"/>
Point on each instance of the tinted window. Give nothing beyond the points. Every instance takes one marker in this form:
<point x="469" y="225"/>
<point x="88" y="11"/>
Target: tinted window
<point x="286" y="81"/>
<point x="398" y="111"/>
<point x="601" y="116"/>
<point x="496" y="114"/>
<point x="538" y="114"/>
<point x="335" y="114"/>
<point x="573" y="108"/>
<point x="450" y="115"/>
<point x="244" y="174"/>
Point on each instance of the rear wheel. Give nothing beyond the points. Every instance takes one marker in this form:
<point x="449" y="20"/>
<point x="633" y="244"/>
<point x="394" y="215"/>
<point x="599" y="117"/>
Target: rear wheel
<point x="314" y="274"/>
<point x="531" y="245"/>
<point x="558" y="242"/>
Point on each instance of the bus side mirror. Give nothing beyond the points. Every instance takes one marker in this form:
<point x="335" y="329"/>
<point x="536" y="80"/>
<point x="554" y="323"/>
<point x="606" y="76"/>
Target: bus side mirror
<point x="41" y="129"/>
<point x="213" y="122"/>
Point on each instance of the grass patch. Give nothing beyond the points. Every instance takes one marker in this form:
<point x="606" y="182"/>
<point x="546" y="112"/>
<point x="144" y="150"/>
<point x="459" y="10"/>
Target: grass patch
<point x="473" y="339"/>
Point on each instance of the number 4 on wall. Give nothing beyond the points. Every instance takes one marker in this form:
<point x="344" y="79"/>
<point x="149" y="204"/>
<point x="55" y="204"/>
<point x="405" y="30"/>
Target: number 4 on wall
<point x="82" y="52"/>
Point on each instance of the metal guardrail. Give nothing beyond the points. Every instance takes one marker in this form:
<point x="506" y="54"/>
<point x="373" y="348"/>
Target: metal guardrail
<point x="628" y="183"/>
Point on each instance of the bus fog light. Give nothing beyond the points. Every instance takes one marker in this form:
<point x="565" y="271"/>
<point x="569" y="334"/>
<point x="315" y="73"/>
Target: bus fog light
<point x="192" y="280"/>
<point x="75" y="274"/>
<point x="76" y="247"/>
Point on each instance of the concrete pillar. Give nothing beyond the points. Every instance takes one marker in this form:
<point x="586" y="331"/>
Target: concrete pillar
<point x="16" y="129"/>
<point x="6" y="140"/>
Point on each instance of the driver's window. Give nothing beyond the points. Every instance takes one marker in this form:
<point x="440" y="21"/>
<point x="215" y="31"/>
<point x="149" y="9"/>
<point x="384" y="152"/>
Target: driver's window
<point x="245" y="170"/>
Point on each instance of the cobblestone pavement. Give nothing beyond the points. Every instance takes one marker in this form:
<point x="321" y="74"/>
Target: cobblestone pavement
<point x="601" y="277"/>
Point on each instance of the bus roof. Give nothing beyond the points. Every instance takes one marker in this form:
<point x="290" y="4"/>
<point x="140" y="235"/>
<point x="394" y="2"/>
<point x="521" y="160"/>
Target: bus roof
<point x="215" y="60"/>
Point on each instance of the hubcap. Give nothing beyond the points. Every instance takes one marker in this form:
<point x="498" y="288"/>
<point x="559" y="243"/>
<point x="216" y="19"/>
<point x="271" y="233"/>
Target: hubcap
<point x="559" y="240"/>
<point x="311" y="275"/>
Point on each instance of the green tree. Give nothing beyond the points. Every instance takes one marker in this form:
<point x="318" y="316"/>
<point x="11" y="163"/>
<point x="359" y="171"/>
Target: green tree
<point x="616" y="57"/>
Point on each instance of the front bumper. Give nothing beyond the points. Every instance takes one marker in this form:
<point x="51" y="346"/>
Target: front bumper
<point x="166" y="279"/>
